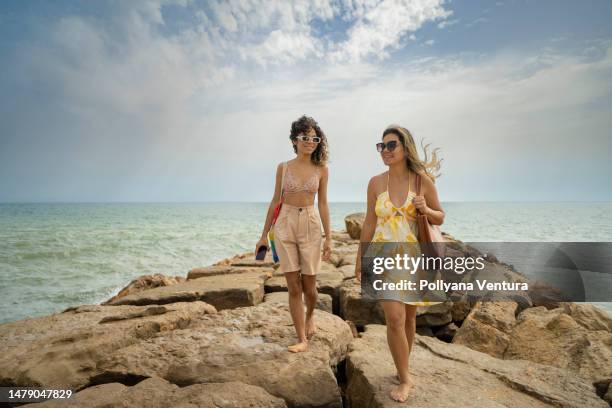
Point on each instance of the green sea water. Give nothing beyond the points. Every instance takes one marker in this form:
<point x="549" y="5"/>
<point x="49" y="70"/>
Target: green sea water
<point x="53" y="256"/>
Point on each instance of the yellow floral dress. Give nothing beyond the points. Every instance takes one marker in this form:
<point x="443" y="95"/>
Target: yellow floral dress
<point x="398" y="225"/>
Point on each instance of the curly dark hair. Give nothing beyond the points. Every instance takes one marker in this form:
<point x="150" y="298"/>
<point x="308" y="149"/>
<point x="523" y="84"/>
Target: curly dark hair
<point x="303" y="125"/>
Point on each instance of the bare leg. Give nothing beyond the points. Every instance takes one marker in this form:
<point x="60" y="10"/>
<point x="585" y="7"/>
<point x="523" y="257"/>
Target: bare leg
<point x="395" y="316"/>
<point x="296" y="308"/>
<point x="409" y="327"/>
<point x="309" y="285"/>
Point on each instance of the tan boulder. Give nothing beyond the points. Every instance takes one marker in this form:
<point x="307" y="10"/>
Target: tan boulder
<point x="450" y="375"/>
<point x="343" y="237"/>
<point x="353" y="223"/>
<point x="63" y="350"/>
<point x="249" y="345"/>
<point x="248" y="260"/>
<point x="487" y="327"/>
<point x="145" y="282"/>
<point x="203" y="272"/>
<point x="324" y="302"/>
<point x="356" y="309"/>
<point x="222" y="291"/>
<point x="434" y="315"/>
<point x="562" y="338"/>
<point x="158" y="393"/>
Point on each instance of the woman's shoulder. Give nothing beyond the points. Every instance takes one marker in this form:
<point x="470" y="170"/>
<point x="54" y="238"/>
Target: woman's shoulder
<point x="426" y="182"/>
<point x="378" y="183"/>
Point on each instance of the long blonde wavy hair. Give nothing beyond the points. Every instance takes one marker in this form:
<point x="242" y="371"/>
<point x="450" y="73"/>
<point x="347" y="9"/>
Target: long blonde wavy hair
<point x="429" y="166"/>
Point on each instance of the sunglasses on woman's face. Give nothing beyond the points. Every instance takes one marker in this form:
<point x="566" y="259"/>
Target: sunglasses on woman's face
<point x="390" y="145"/>
<point x="304" y="138"/>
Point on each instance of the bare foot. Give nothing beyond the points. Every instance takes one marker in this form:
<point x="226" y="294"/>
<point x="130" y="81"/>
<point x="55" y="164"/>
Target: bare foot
<point x="400" y="393"/>
<point x="310" y="327"/>
<point x="299" y="347"/>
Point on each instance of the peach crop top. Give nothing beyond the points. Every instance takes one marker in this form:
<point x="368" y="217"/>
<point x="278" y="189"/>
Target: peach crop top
<point x="293" y="185"/>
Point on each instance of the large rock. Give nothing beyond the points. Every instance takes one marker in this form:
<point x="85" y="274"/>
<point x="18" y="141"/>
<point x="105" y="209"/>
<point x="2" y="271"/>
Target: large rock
<point x="487" y="327"/>
<point x="158" y="393"/>
<point x="356" y="309"/>
<point x="63" y="350"/>
<point x="353" y="223"/>
<point x="245" y="344"/>
<point x="276" y="283"/>
<point x="197" y="273"/>
<point x="145" y="282"/>
<point x="248" y="260"/>
<point x="329" y="283"/>
<point x="434" y="315"/>
<point x="222" y="291"/>
<point x="574" y="337"/>
<point x="324" y="302"/>
<point x="450" y="375"/>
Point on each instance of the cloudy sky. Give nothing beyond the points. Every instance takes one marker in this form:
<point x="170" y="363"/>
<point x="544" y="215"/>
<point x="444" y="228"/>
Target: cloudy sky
<point x="192" y="101"/>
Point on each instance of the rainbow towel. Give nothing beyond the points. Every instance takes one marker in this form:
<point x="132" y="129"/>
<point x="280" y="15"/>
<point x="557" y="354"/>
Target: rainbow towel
<point x="271" y="238"/>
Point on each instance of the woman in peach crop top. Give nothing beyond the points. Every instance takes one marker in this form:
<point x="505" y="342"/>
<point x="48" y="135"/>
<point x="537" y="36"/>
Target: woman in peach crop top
<point x="297" y="231"/>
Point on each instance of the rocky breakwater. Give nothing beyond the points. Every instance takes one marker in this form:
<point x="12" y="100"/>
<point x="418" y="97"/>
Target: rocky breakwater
<point x="219" y="337"/>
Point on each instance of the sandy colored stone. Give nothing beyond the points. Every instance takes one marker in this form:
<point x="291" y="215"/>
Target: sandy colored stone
<point x="556" y="338"/>
<point x="356" y="309"/>
<point x="145" y="282"/>
<point x="353" y="223"/>
<point x="246" y="344"/>
<point x="248" y="260"/>
<point x="487" y="327"/>
<point x="196" y="273"/>
<point x="450" y="375"/>
<point x="324" y="302"/>
<point x="158" y="393"/>
<point x="435" y="315"/>
<point x="348" y="271"/>
<point x="63" y="350"/>
<point x="222" y="291"/>
<point x="329" y="283"/>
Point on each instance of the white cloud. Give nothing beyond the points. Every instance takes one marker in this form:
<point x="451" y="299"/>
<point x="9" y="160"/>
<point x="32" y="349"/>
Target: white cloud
<point x="380" y="29"/>
<point x="176" y="109"/>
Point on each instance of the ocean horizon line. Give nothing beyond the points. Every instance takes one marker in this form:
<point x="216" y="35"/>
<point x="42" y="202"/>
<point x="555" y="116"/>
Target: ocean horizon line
<point x="264" y="202"/>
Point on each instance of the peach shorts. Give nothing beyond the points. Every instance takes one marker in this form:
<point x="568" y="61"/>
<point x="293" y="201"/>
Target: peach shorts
<point x="297" y="236"/>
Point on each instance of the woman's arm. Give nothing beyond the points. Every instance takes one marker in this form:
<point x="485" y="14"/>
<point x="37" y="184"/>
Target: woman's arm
<point x="369" y="225"/>
<point x="275" y="199"/>
<point x="324" y="212"/>
<point x="428" y="203"/>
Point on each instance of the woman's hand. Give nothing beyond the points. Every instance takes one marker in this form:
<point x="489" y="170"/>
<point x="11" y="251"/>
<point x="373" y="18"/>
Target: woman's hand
<point x="420" y="204"/>
<point x="327" y="249"/>
<point x="263" y="241"/>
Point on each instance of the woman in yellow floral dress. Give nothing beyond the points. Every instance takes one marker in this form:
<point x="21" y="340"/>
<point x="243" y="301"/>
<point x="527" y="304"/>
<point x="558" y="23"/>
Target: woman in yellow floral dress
<point x="391" y="217"/>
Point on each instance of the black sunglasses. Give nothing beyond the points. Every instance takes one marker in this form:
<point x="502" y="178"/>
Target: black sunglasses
<point x="390" y="145"/>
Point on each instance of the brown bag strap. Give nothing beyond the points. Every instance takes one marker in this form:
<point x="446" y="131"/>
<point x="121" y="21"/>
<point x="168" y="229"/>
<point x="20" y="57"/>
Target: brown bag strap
<point x="418" y="188"/>
<point x="283" y="181"/>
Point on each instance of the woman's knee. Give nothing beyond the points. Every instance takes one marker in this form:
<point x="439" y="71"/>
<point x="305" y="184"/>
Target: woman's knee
<point x="395" y="320"/>
<point x="294" y="287"/>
